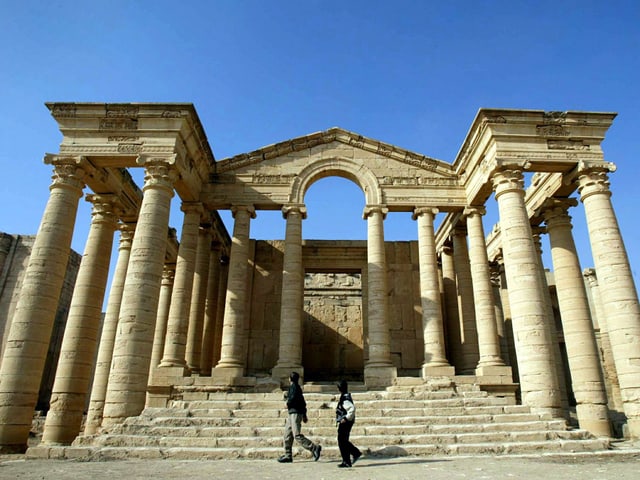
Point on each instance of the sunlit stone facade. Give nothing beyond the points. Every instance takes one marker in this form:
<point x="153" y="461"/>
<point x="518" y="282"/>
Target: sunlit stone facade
<point x="220" y="308"/>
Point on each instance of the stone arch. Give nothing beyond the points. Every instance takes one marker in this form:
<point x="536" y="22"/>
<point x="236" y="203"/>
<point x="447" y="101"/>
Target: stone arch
<point x="341" y="167"/>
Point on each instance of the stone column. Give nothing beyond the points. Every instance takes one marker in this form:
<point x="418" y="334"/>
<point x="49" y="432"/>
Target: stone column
<point x="198" y="299"/>
<point x="210" y="310"/>
<point x="619" y="295"/>
<point x="553" y="325"/>
<point x="490" y="362"/>
<point x="451" y="311"/>
<point x="468" y="333"/>
<point x="291" y="310"/>
<point x="77" y="353"/>
<point x="222" y="298"/>
<point x="579" y="336"/>
<point x="608" y="363"/>
<point x="126" y="391"/>
<point x="495" y="273"/>
<point x="378" y="371"/>
<point x="162" y="318"/>
<point x="538" y="383"/>
<point x="30" y="331"/>
<point x="232" y="356"/>
<point x="175" y="343"/>
<point x="435" y="357"/>
<point x="108" y="335"/>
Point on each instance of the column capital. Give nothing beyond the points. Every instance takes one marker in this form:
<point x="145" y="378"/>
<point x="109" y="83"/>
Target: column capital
<point x="418" y="211"/>
<point x="250" y="209"/>
<point x="127" y="231"/>
<point x="593" y="180"/>
<point x="106" y="208"/>
<point x="295" y="208"/>
<point x="474" y="210"/>
<point x="192" y="207"/>
<point x="68" y="171"/>
<point x="507" y="180"/>
<point x="160" y="172"/>
<point x="555" y="211"/>
<point x="371" y="209"/>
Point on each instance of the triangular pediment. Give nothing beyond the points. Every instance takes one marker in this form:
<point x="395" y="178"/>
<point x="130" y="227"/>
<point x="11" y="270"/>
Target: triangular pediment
<point x="334" y="134"/>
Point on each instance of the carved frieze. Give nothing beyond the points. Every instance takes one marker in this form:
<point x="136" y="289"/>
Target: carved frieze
<point x="418" y="180"/>
<point x="129" y="148"/>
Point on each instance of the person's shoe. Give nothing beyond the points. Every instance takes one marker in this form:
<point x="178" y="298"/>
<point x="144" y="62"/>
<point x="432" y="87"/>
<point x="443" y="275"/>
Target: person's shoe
<point x="344" y="465"/>
<point x="356" y="456"/>
<point x="316" y="452"/>
<point x="285" y="459"/>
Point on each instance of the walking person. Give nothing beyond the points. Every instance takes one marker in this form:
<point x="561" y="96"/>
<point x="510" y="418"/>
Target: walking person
<point x="297" y="413"/>
<point x="345" y="418"/>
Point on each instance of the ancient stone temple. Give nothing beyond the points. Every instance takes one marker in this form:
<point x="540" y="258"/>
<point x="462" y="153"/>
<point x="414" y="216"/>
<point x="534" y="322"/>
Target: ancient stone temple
<point x="217" y="308"/>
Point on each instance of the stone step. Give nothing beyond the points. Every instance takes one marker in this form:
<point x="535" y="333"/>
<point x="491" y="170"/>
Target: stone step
<point x="328" y="453"/>
<point x="205" y="439"/>
<point x="251" y="425"/>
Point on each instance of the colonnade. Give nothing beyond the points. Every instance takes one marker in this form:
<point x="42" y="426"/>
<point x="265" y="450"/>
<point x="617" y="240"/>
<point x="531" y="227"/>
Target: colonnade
<point x="164" y="321"/>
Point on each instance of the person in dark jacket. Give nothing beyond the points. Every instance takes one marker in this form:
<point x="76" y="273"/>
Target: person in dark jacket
<point x="345" y="418"/>
<point x="297" y="413"/>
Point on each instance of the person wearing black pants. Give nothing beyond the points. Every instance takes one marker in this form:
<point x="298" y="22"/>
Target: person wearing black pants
<point x="345" y="418"/>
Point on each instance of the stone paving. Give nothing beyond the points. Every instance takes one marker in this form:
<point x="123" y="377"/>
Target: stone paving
<point x="622" y="463"/>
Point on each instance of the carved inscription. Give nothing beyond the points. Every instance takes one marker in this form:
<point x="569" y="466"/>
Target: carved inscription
<point x="116" y="111"/>
<point x="118" y="124"/>
<point x="122" y="138"/>
<point x="552" y="131"/>
<point x="567" y="145"/>
<point x="64" y="110"/>
<point x="273" y="179"/>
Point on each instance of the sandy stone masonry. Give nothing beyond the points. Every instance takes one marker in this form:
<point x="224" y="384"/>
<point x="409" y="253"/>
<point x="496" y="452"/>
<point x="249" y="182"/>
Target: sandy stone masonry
<point x="222" y="310"/>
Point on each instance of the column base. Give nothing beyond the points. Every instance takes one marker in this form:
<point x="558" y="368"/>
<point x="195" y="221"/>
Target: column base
<point x="437" y="371"/>
<point x="227" y="375"/>
<point x="380" y="376"/>
<point x="169" y="375"/>
<point x="280" y="373"/>
<point x="494" y="371"/>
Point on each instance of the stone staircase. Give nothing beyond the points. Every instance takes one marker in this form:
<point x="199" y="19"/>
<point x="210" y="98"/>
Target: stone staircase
<point x="202" y="423"/>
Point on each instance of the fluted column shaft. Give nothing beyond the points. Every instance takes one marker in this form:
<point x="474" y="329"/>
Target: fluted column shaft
<point x="608" y="363"/>
<point x="468" y="332"/>
<point x="484" y="303"/>
<point x="232" y="357"/>
<point x="291" y="307"/>
<point x="619" y="295"/>
<point x="435" y="357"/>
<point x="579" y="336"/>
<point x="538" y="383"/>
<point x="162" y="318"/>
<point x="198" y="299"/>
<point x="210" y="310"/>
<point x="379" y="369"/>
<point x="108" y="335"/>
<point x="126" y="391"/>
<point x="30" y="332"/>
<point x="77" y="352"/>
<point x="451" y="310"/>
<point x="176" y="339"/>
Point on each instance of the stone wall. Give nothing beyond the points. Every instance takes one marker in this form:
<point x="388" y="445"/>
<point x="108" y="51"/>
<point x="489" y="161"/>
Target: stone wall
<point x="334" y="330"/>
<point x="14" y="257"/>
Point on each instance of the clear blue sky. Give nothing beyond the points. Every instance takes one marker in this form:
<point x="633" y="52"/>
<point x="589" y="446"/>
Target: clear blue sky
<point x="410" y="73"/>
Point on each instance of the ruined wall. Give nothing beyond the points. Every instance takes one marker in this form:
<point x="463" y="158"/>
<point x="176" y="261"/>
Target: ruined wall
<point x="14" y="257"/>
<point x="334" y="326"/>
